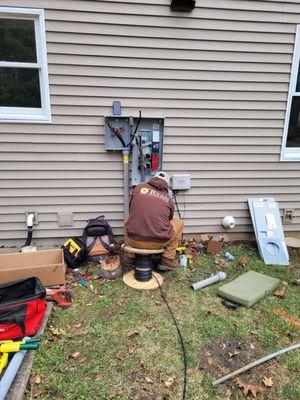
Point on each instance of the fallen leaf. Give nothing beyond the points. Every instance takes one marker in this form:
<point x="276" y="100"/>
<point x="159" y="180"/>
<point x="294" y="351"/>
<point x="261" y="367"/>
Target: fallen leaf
<point x="169" y="382"/>
<point x="97" y="378"/>
<point x="248" y="388"/>
<point x="254" y="333"/>
<point x="35" y="393"/>
<point x="242" y="261"/>
<point x="148" y="380"/>
<point x="280" y="293"/>
<point x="235" y="353"/>
<point x="132" y="333"/>
<point x="131" y="348"/>
<point x="75" y="355"/>
<point x="149" y="326"/>
<point x="228" y="394"/>
<point x="252" y="389"/>
<point x="222" y="346"/>
<point x="252" y="346"/>
<point x="268" y="382"/>
<point x="296" y="282"/>
<point x="57" y="331"/>
<point x="119" y="356"/>
<point x="37" y="379"/>
<point x="239" y="382"/>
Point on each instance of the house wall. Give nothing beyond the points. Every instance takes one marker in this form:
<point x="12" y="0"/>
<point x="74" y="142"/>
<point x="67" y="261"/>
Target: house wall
<point x="219" y="76"/>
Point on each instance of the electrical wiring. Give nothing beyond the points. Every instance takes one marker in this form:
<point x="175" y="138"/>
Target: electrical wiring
<point x="180" y="337"/>
<point x="119" y="136"/>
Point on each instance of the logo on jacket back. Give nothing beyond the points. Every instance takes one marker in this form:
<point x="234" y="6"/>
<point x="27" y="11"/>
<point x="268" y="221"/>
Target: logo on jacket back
<point x="154" y="193"/>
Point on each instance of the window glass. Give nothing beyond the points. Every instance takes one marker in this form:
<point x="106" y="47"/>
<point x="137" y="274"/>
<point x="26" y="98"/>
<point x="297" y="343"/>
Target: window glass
<point x="17" y="40"/>
<point x="19" y="87"/>
<point x="293" y="137"/>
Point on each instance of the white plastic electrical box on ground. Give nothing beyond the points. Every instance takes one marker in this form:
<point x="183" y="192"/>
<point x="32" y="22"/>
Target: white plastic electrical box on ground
<point x="181" y="181"/>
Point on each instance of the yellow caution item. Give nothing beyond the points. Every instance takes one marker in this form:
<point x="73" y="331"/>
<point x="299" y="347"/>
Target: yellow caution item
<point x="8" y="346"/>
<point x="180" y="249"/>
<point x="3" y="361"/>
<point x="73" y="247"/>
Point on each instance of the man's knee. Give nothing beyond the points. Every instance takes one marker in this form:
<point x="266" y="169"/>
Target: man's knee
<point x="177" y="224"/>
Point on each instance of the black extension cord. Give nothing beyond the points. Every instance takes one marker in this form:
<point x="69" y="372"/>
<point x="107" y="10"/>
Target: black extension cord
<point x="180" y="337"/>
<point x="177" y="206"/>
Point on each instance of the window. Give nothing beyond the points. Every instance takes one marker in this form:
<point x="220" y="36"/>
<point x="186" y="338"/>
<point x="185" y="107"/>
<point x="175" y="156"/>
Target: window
<point x="24" y="87"/>
<point x="291" y="138"/>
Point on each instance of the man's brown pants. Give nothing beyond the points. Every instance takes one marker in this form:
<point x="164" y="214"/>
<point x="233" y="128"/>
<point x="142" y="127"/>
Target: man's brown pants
<point x="169" y="246"/>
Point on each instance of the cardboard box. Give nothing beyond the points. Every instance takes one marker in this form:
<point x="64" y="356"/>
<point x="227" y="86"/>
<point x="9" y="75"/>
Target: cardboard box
<point x="214" y="242"/>
<point x="47" y="265"/>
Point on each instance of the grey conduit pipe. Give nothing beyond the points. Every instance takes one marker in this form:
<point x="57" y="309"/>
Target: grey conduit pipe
<point x="220" y="276"/>
<point x="11" y="371"/>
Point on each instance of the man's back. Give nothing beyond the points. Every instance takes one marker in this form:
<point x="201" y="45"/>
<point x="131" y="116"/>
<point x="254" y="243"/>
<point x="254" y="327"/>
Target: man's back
<point x="150" y="212"/>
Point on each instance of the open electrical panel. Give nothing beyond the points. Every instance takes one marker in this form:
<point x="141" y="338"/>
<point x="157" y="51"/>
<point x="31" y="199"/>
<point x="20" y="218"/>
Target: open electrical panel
<point x="145" y="138"/>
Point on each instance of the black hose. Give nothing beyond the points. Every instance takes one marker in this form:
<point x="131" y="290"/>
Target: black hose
<point x="184" y="354"/>
<point x="29" y="237"/>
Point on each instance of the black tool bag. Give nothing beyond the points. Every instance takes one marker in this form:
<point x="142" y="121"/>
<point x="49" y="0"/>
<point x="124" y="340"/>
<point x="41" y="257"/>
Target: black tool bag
<point x="75" y="253"/>
<point x="98" y="228"/>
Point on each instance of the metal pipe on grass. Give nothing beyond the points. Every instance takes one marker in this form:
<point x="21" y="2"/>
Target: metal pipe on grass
<point x="254" y="364"/>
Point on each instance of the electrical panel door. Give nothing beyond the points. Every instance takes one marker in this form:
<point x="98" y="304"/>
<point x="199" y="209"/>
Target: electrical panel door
<point x="147" y="150"/>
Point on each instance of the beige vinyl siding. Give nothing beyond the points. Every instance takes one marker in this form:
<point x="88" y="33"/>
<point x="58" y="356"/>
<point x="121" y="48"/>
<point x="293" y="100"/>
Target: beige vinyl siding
<point x="220" y="77"/>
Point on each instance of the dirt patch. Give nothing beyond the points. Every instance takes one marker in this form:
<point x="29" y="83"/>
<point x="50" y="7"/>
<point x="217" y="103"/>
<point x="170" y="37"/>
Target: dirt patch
<point x="223" y="356"/>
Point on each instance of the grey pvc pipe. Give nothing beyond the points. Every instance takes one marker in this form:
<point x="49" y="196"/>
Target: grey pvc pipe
<point x="254" y="364"/>
<point x="125" y="154"/>
<point x="10" y="372"/>
<point x="209" y="281"/>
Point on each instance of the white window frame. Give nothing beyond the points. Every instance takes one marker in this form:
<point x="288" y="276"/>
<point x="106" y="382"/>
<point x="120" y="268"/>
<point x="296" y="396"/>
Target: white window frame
<point x="292" y="153"/>
<point x="23" y="114"/>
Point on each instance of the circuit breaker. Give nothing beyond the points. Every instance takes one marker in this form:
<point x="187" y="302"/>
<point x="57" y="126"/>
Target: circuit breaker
<point x="147" y="150"/>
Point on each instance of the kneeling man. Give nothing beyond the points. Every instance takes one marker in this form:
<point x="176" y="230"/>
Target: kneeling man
<point x="151" y="224"/>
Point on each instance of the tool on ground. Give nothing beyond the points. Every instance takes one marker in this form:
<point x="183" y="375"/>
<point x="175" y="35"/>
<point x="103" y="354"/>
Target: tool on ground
<point x="9" y="346"/>
<point x="254" y="364"/>
<point x="229" y="256"/>
<point x="11" y="371"/>
<point x="209" y="281"/>
<point x="22" y="308"/>
<point x="3" y="361"/>
<point x="62" y="296"/>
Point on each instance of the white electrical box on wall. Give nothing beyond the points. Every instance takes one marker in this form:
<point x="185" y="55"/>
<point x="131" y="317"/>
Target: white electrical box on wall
<point x="181" y="181"/>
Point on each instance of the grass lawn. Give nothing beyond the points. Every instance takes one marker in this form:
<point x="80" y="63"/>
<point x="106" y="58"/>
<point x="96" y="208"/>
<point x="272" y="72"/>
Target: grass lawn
<point x="118" y="343"/>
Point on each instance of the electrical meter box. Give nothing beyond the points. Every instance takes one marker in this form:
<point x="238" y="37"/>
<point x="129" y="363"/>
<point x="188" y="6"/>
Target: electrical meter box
<point x="116" y="127"/>
<point x="147" y="149"/>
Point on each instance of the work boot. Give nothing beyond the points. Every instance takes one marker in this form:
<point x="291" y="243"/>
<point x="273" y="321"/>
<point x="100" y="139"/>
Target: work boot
<point x="168" y="264"/>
